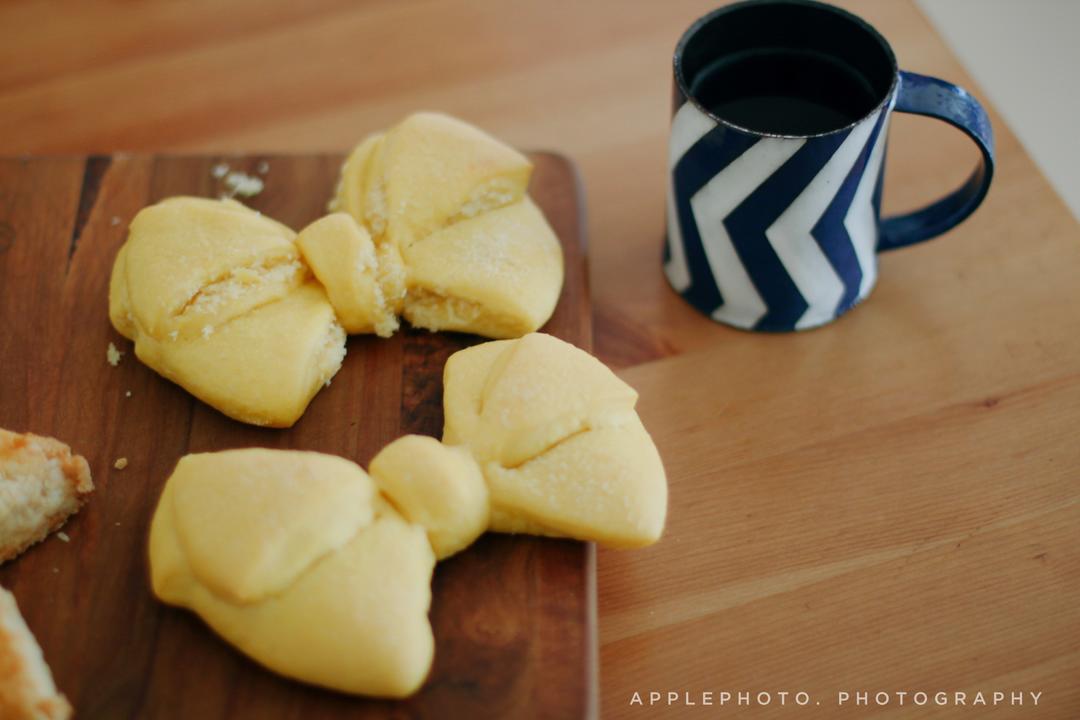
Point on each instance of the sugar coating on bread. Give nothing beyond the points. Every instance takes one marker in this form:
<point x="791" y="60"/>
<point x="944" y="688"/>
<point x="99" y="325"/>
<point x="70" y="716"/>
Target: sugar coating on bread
<point x="218" y="299"/>
<point x="425" y="170"/>
<point x="184" y="256"/>
<point x="558" y="441"/>
<point x="42" y="483"/>
<point x="27" y="689"/>
<point x="498" y="274"/>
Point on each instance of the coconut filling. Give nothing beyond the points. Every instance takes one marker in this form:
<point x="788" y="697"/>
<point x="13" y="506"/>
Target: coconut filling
<point x="386" y="275"/>
<point x="240" y="291"/>
<point x="370" y="213"/>
<point x="215" y="326"/>
<point x="433" y="310"/>
<point x="390" y="287"/>
<point x="361" y="192"/>
<point x="485" y="197"/>
<point x="329" y="357"/>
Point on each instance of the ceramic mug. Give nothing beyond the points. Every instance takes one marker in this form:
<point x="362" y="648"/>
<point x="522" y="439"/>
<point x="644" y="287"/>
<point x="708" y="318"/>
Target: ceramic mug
<point x="776" y="162"/>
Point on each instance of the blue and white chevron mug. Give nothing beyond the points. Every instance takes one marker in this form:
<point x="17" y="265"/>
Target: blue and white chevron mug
<point x="776" y="162"/>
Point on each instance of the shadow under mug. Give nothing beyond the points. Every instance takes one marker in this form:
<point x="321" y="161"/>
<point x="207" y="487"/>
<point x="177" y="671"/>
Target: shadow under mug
<point x="776" y="162"/>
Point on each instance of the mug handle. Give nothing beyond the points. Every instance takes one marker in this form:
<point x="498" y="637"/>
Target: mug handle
<point x="922" y="95"/>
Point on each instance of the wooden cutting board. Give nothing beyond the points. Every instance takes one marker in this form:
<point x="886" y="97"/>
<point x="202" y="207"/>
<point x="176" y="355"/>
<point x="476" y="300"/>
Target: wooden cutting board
<point x="514" y="617"/>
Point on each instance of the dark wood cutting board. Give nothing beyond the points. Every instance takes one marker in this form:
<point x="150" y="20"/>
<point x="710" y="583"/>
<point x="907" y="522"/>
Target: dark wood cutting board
<point x="514" y="617"/>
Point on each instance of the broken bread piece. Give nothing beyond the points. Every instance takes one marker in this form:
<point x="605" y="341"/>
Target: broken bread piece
<point x="42" y="483"/>
<point x="218" y="299"/>
<point x="558" y="441"/>
<point x="295" y="559"/>
<point x="341" y="254"/>
<point x="27" y="690"/>
<point x="459" y="244"/>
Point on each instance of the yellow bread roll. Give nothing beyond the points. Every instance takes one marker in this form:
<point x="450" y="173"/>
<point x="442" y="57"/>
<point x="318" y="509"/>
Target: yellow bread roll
<point x="426" y="172"/>
<point x="119" y="305"/>
<point x="223" y="504"/>
<point x="435" y="486"/>
<point x="558" y="441"/>
<point x="459" y="244"/>
<point x="263" y="367"/>
<point x="352" y="195"/>
<point x="293" y="558"/>
<point x="191" y="262"/>
<point x="511" y="400"/>
<point x="217" y="298"/>
<point x="322" y="573"/>
<point x="498" y="274"/>
<point x="340" y="253"/>
<point x="361" y="194"/>
<point x="605" y="484"/>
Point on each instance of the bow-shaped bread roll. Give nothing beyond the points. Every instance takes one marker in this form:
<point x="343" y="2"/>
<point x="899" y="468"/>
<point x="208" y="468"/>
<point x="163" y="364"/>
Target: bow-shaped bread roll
<point x="296" y="560"/>
<point x="322" y="572"/>
<point x="558" y="441"/>
<point x="459" y="244"/>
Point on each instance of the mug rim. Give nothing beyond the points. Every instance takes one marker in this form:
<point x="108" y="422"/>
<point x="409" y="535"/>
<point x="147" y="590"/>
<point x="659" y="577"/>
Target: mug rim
<point x="709" y="17"/>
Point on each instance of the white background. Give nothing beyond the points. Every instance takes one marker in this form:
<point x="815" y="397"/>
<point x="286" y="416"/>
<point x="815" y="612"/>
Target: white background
<point x="1025" y="56"/>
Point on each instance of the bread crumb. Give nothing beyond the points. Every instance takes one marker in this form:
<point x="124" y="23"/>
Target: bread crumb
<point x="113" y="355"/>
<point x="220" y="170"/>
<point x="120" y="463"/>
<point x="263" y="167"/>
<point x="63" y="536"/>
<point x="127" y="394"/>
<point x="56" y="570"/>
<point x="242" y="184"/>
<point x="114" y="221"/>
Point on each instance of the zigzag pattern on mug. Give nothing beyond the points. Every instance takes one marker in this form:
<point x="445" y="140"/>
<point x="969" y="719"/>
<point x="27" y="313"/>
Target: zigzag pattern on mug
<point x="853" y="212"/>
<point x="752" y="222"/>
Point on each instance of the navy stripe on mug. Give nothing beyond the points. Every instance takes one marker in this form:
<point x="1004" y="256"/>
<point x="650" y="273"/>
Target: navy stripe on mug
<point x="831" y="230"/>
<point x="721" y="146"/>
<point x="772" y="233"/>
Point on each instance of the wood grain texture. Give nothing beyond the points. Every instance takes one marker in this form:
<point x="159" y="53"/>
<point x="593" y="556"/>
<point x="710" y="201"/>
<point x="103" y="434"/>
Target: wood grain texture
<point x="591" y="79"/>
<point x="886" y="502"/>
<point x="889" y="503"/>
<point x="512" y="616"/>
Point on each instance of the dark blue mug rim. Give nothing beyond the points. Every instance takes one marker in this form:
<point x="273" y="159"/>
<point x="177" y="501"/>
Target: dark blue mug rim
<point x="857" y="21"/>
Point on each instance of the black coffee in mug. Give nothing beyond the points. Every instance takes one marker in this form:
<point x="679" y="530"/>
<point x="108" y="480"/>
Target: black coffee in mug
<point x="785" y="68"/>
<point x="785" y="91"/>
<point x="777" y="150"/>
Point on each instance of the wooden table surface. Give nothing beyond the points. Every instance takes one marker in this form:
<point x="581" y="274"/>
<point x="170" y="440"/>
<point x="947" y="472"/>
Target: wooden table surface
<point x="512" y="615"/>
<point x="890" y="503"/>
